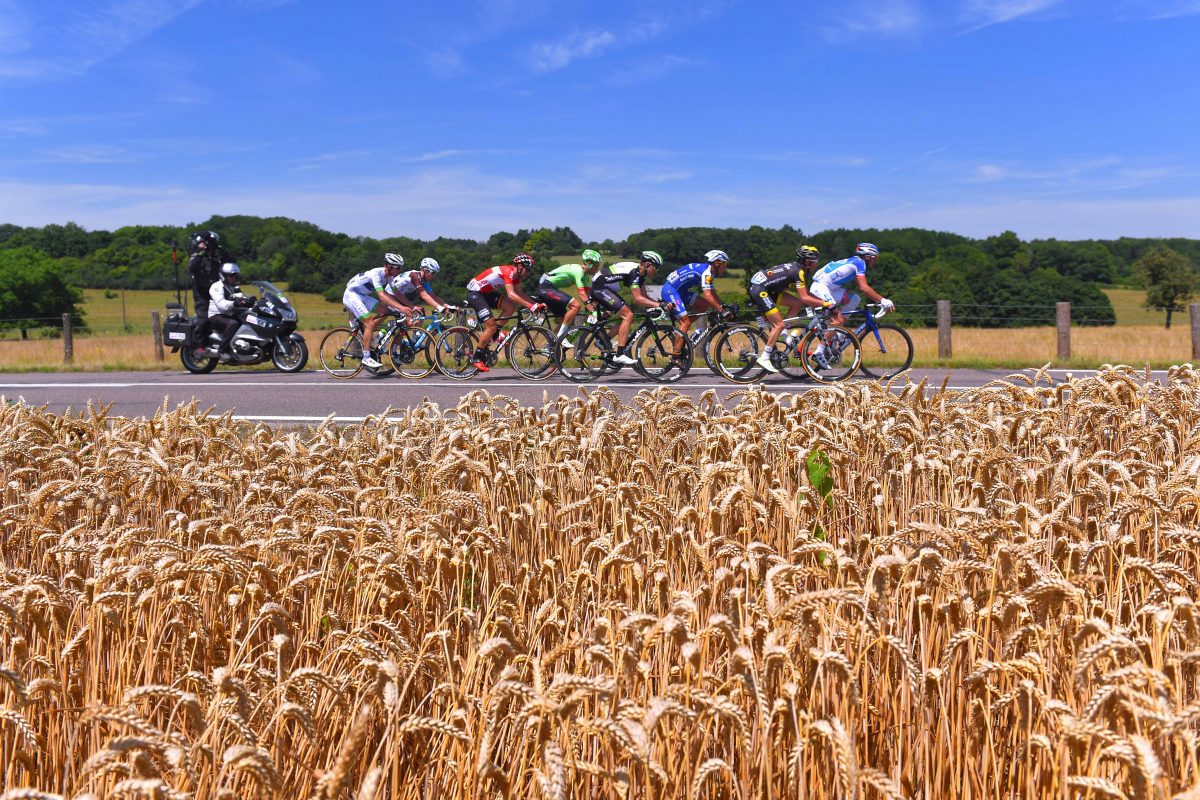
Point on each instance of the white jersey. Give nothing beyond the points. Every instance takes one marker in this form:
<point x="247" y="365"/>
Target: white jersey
<point x="369" y="282"/>
<point x="406" y="284"/>
<point x="841" y="273"/>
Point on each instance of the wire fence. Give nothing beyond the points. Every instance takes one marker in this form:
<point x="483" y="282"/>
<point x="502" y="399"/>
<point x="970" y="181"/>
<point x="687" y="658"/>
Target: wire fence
<point x="1016" y="315"/>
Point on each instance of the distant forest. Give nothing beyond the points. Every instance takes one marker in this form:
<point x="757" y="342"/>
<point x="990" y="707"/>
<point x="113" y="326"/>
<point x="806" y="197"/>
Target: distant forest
<point x="993" y="282"/>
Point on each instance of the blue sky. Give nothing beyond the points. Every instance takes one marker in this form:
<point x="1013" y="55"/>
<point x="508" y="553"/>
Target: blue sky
<point x="1067" y="118"/>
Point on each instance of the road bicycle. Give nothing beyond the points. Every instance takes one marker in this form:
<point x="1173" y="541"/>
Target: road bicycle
<point x="812" y="348"/>
<point x="652" y="343"/>
<point x="704" y="337"/>
<point x="530" y="348"/>
<point x="410" y="345"/>
<point x="887" y="349"/>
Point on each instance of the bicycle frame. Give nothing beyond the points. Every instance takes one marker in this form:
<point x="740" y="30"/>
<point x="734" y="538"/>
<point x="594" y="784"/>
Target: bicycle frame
<point x="868" y="324"/>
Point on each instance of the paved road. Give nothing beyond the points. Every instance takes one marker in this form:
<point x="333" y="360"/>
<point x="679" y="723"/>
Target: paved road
<point x="312" y="396"/>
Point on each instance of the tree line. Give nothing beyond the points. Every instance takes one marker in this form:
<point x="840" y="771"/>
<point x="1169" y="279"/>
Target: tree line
<point x="1000" y="281"/>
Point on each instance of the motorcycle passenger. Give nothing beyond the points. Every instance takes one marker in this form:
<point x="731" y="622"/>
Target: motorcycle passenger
<point x="225" y="298"/>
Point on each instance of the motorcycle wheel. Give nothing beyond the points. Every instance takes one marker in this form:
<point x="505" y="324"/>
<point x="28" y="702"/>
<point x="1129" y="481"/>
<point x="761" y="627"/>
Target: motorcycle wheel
<point x="291" y="357"/>
<point x="198" y="365"/>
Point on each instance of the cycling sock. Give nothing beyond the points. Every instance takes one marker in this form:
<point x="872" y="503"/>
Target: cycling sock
<point x="561" y="329"/>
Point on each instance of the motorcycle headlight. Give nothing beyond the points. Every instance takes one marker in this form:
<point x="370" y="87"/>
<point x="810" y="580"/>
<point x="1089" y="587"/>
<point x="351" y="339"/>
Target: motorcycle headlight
<point x="287" y="314"/>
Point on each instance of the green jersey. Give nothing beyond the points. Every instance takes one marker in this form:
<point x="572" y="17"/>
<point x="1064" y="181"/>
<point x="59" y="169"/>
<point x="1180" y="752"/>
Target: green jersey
<point x="567" y="275"/>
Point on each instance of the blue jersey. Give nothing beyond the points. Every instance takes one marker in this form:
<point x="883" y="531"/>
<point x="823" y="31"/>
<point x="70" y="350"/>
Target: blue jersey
<point x="690" y="277"/>
<point x="841" y="273"/>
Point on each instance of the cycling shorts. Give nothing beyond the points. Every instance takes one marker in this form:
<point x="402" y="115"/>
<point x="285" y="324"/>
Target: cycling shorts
<point x="835" y="294"/>
<point x="483" y="304"/>
<point x="553" y="297"/>
<point x="607" y="299"/>
<point x="359" y="305"/>
<point x="763" y="297"/>
<point x="679" y="300"/>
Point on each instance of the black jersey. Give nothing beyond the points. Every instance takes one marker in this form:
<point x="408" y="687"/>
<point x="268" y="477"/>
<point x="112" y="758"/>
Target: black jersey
<point x="780" y="277"/>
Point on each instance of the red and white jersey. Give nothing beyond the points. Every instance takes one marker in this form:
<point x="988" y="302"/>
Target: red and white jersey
<point x="493" y="279"/>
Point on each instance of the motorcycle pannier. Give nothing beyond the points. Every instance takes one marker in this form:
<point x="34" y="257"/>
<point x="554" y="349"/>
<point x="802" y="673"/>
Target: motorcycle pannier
<point x="177" y="331"/>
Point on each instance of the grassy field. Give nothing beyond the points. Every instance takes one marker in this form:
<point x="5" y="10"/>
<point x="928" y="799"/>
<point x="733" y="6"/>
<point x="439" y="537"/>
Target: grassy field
<point x="847" y="594"/>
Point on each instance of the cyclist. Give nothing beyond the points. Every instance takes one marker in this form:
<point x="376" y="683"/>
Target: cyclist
<point x="605" y="288"/>
<point x="364" y="293"/>
<point x="768" y="289"/>
<point x="832" y="282"/>
<point x="413" y="287"/>
<point x="483" y="294"/>
<point x="679" y="291"/>
<point x="552" y="283"/>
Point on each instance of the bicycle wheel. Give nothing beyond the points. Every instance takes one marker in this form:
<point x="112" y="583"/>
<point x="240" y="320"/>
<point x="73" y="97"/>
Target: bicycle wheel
<point x="708" y="347"/>
<point x="657" y="358"/>
<point x="341" y="353"/>
<point x="453" y="350"/>
<point x="830" y="355"/>
<point x="572" y="335"/>
<point x="736" y="351"/>
<point x="410" y="352"/>
<point x="533" y="352"/>
<point x="584" y="361"/>
<point x="886" y="352"/>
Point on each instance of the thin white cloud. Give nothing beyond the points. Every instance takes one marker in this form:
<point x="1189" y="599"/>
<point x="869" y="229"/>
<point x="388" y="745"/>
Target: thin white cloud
<point x="86" y="154"/>
<point x="556" y="55"/>
<point x="68" y="43"/>
<point x="874" y="18"/>
<point x="982" y="13"/>
<point x="14" y="27"/>
<point x="1160" y="9"/>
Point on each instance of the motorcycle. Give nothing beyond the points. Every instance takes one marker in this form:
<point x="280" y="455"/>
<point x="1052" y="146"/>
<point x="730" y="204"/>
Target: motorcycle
<point x="268" y="331"/>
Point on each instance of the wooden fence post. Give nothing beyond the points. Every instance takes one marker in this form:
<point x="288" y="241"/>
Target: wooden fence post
<point x="1063" y="315"/>
<point x="943" y="315"/>
<point x="1194" y="310"/>
<point x="156" y="327"/>
<point x="68" y="340"/>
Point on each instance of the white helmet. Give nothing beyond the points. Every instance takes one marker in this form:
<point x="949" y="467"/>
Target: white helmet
<point x="231" y="270"/>
<point x="393" y="259"/>
<point x="866" y="249"/>
<point x="716" y="255"/>
<point x="431" y="265"/>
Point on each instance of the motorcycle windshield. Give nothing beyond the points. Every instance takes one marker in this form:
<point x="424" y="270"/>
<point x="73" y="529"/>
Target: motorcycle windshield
<point x="274" y="299"/>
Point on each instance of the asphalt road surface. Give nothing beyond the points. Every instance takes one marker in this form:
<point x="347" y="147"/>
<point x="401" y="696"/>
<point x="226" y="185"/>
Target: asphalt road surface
<point x="312" y="396"/>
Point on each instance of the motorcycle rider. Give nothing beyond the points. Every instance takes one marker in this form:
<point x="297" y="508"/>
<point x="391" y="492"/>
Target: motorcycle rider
<point x="224" y="299"/>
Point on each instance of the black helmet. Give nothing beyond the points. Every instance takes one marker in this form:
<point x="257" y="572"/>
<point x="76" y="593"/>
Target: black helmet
<point x="209" y="239"/>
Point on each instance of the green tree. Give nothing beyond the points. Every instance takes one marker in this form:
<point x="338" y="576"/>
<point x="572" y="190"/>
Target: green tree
<point x="1169" y="279"/>
<point x="34" y="290"/>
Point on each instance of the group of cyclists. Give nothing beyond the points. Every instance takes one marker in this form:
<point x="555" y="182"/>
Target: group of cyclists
<point x="686" y="293"/>
<point x="564" y="291"/>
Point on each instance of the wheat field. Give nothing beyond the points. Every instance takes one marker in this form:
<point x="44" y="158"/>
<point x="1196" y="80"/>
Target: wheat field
<point x="842" y="594"/>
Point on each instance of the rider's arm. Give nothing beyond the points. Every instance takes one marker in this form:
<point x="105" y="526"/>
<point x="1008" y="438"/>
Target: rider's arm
<point x="642" y="299"/>
<point x="866" y="289"/>
<point x="391" y="301"/>
<point x="711" y="296"/>
<point x="516" y="296"/>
